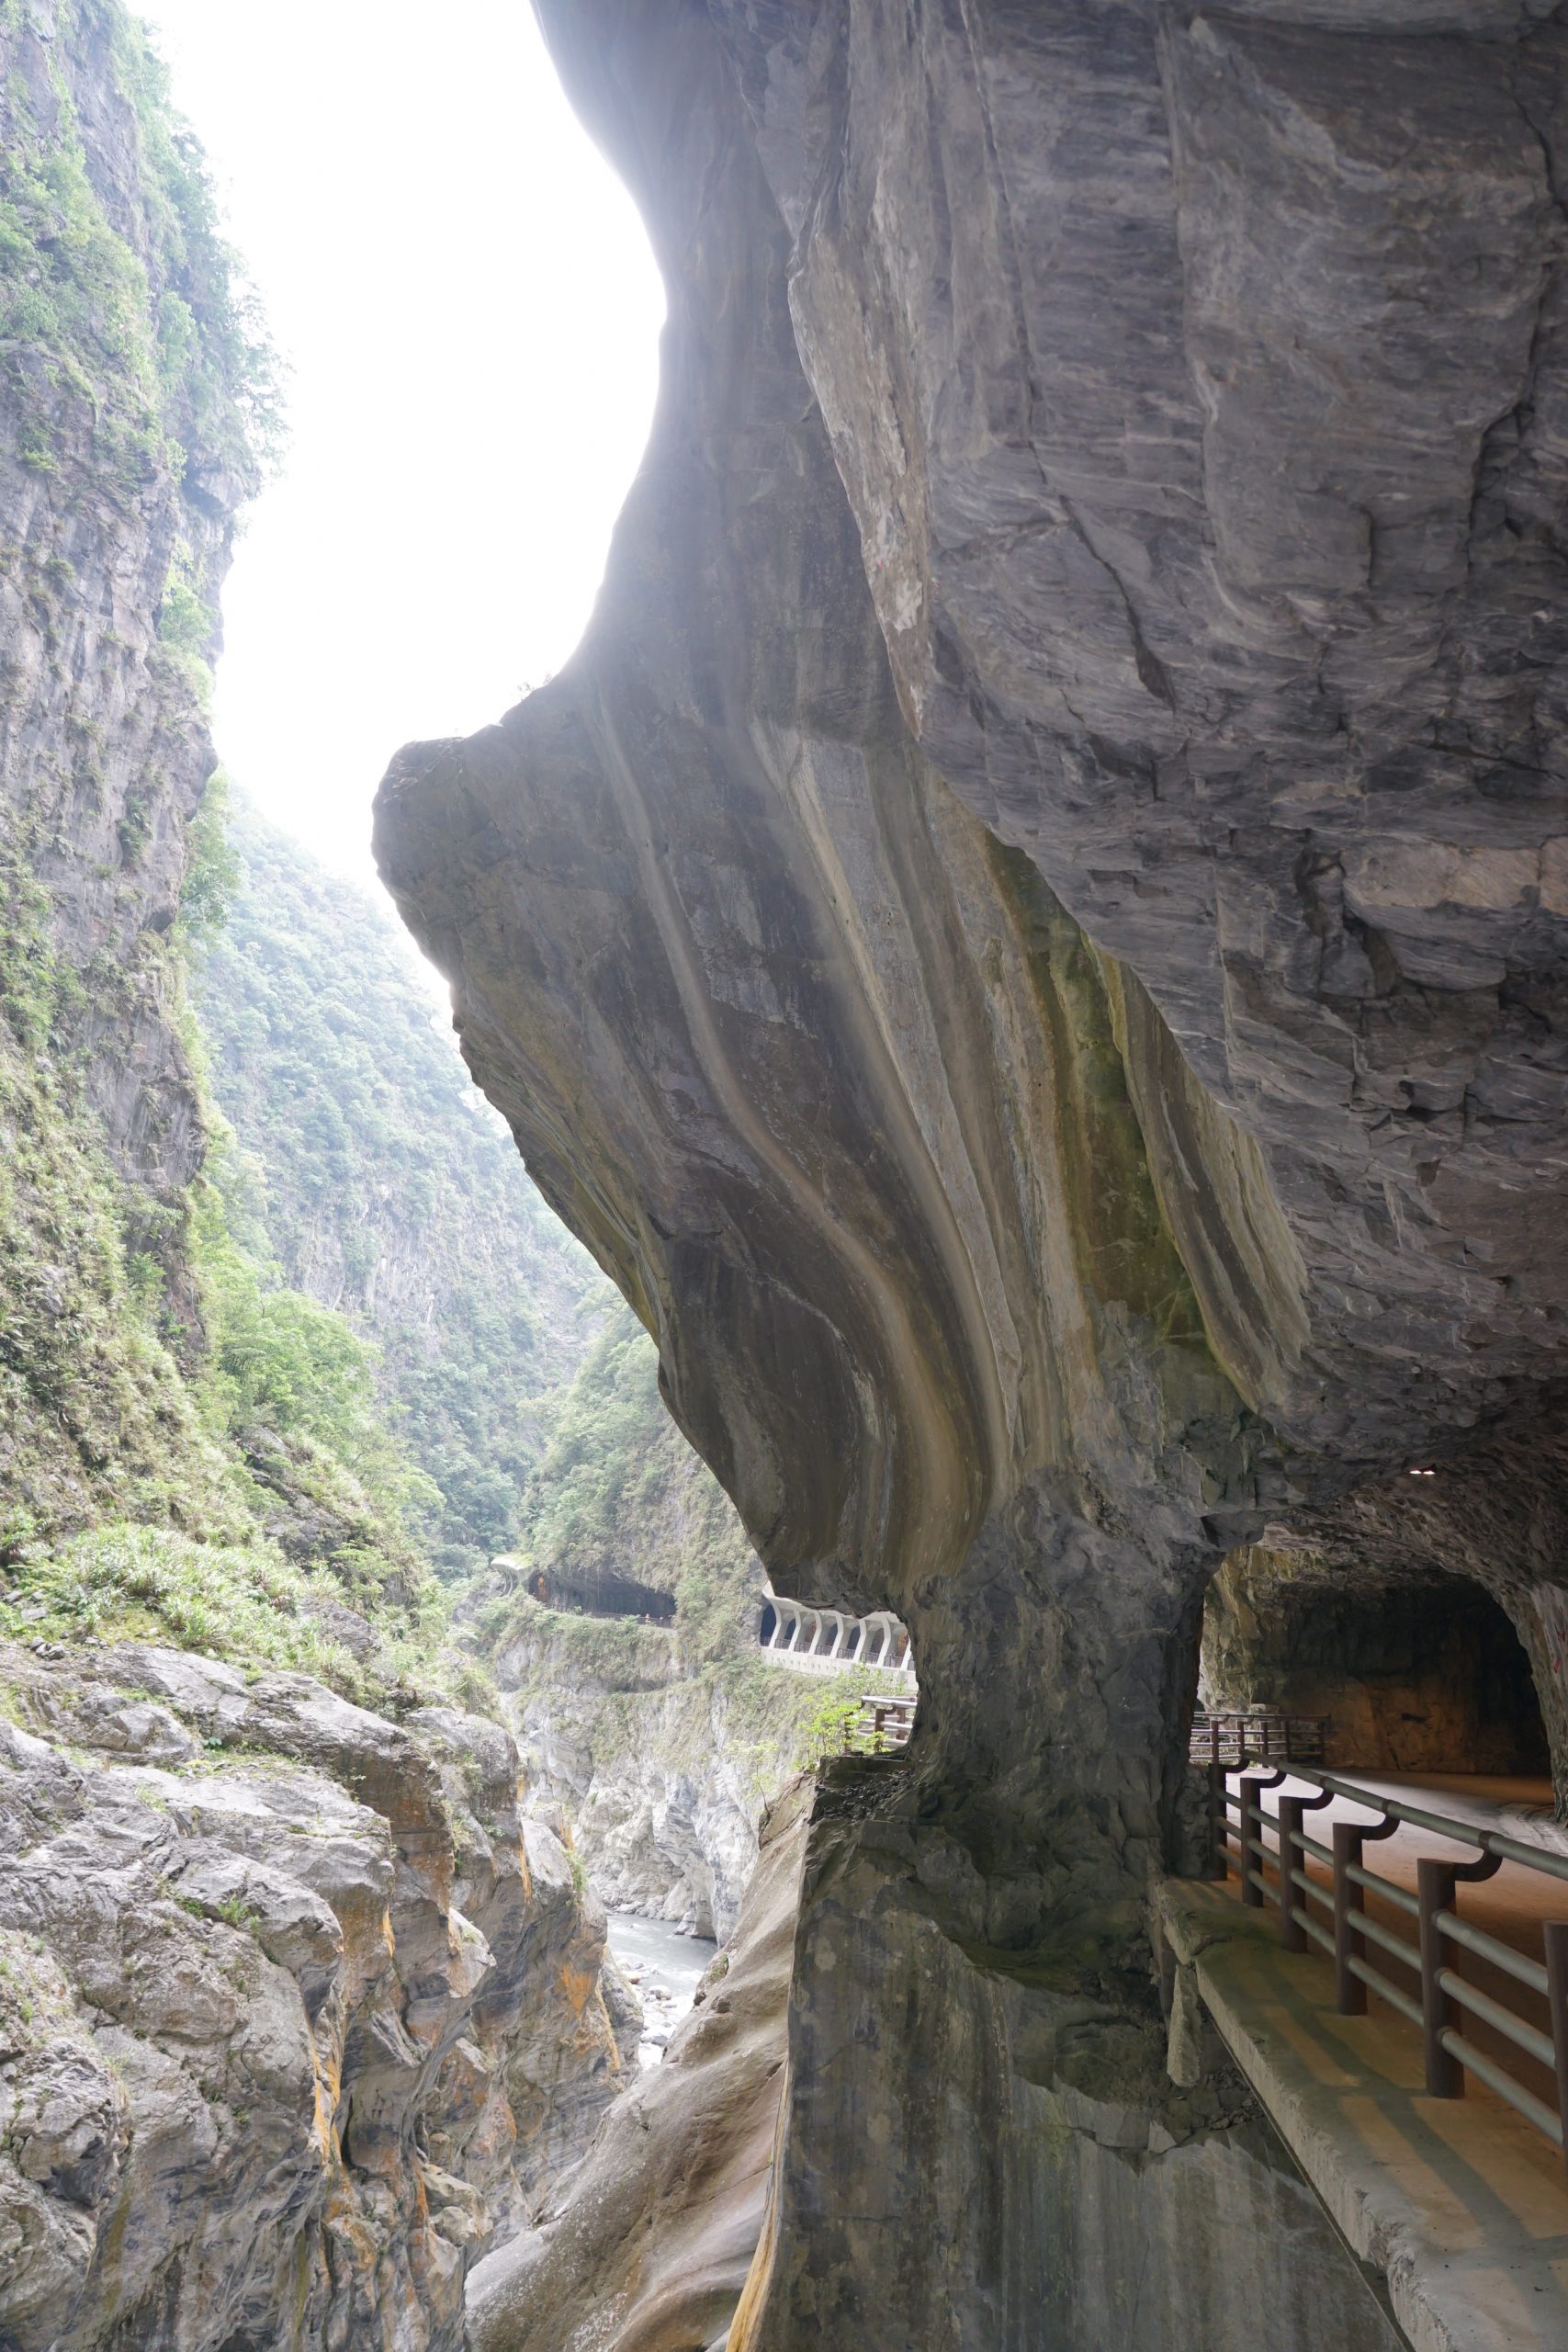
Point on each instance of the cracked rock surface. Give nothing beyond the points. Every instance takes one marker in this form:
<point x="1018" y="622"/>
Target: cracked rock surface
<point x="295" y="2010"/>
<point x="650" y="2242"/>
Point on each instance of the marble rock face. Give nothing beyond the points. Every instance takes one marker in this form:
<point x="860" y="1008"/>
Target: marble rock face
<point x="295" y="2012"/>
<point x="655" y="2232"/>
<point x="1028" y="941"/>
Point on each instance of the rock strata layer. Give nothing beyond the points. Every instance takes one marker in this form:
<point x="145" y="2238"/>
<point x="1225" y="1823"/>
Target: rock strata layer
<point x="1028" y="941"/>
<point x="296" y="2010"/>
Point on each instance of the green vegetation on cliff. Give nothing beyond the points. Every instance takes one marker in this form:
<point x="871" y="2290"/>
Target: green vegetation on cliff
<point x="186" y="1448"/>
<point x="617" y="1490"/>
<point x="95" y="1415"/>
<point x="367" y="1170"/>
<point x="135" y="396"/>
<point x="118" y="291"/>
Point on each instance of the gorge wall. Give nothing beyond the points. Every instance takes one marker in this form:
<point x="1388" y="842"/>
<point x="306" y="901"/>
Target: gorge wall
<point x="1029" y="942"/>
<point x="622" y="1632"/>
<point x="659" y="1760"/>
<point x="296" y="2010"/>
<point x="377" y="1183"/>
<point x="128" y="431"/>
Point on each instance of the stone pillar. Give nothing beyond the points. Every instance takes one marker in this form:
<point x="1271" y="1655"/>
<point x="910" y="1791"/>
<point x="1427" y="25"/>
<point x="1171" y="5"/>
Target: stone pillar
<point x="980" y="1949"/>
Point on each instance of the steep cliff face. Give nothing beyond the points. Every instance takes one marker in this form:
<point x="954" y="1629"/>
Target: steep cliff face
<point x="295" y="2009"/>
<point x="659" y="1742"/>
<point x="377" y="1183"/>
<point x="651" y="2238"/>
<point x="662" y="1765"/>
<point x="1028" y="941"/>
<point x="1195" y="382"/>
<point x="132" y="401"/>
<point x="292" y="1995"/>
<point x="826" y="1074"/>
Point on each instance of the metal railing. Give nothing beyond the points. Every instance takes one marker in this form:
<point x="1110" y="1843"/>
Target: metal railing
<point x="1230" y="1735"/>
<point x="879" y="1727"/>
<point x="1444" y="2002"/>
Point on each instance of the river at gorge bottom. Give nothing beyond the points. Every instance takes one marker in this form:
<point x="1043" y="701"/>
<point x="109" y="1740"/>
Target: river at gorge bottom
<point x="664" y="1969"/>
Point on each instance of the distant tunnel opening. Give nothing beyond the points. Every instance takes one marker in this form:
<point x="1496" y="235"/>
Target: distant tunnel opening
<point x="1417" y="1674"/>
<point x="602" y="1593"/>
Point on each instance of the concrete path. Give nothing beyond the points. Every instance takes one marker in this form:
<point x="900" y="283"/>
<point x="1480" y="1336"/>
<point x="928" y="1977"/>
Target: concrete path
<point x="1510" y="1907"/>
<point x="1459" y="2206"/>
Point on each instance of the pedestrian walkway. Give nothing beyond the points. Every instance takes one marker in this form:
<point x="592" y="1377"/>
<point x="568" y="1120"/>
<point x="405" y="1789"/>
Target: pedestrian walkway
<point x="1457" y="2206"/>
<point x="1512" y="1906"/>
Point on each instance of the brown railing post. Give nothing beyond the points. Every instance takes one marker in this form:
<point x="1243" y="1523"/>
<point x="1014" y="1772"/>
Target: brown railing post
<point x="1292" y="1934"/>
<point x="1557" y="2000"/>
<point x="1251" y="1827"/>
<point x="1350" y="1901"/>
<point x="1436" y="1884"/>
<point x="1435" y="1887"/>
<point x="1216" y="1817"/>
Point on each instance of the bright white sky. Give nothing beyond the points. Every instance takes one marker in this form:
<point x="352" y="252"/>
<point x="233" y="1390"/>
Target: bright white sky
<point x="465" y="296"/>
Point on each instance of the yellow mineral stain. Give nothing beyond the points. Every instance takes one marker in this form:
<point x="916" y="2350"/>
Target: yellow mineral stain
<point x="614" y="2055"/>
<point x="322" y="2122"/>
<point x="577" y="1984"/>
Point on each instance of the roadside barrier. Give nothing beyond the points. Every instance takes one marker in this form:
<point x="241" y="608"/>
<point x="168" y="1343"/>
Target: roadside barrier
<point x="1530" y="2008"/>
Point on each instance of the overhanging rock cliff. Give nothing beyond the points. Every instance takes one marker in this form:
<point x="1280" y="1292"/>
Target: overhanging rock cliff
<point x="1028" y="940"/>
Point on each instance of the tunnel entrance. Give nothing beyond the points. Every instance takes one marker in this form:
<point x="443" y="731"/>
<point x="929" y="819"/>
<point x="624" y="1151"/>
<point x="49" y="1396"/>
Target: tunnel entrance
<point x="601" y="1592"/>
<point x="829" y="1641"/>
<point x="1416" y="1673"/>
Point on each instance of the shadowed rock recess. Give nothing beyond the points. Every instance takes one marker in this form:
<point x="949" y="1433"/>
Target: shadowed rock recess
<point x="1028" y="941"/>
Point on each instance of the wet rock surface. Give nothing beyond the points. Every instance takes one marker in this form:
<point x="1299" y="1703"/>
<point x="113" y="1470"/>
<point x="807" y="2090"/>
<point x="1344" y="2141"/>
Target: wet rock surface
<point x="1026" y="941"/>
<point x="295" y="2011"/>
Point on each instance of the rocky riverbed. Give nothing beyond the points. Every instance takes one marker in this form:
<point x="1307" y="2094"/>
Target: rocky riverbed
<point x="663" y="1968"/>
